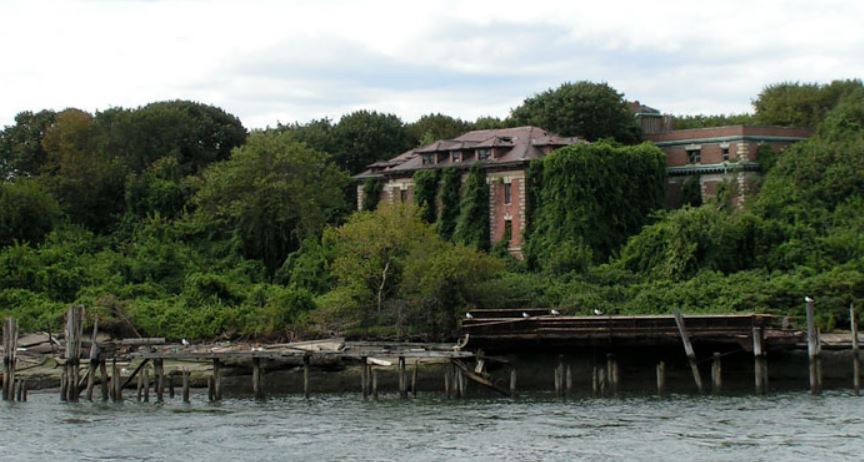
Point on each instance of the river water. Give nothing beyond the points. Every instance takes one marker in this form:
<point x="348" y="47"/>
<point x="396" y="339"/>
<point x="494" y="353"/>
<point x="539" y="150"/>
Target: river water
<point x="783" y="427"/>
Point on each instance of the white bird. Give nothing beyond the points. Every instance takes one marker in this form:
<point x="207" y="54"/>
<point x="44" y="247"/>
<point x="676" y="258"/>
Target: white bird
<point x="597" y="312"/>
<point x="525" y="315"/>
<point x="468" y="316"/>
<point x="555" y="312"/>
<point x="184" y="342"/>
<point x="808" y="299"/>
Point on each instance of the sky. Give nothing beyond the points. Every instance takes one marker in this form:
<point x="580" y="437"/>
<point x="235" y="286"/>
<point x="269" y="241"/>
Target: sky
<point x="286" y="61"/>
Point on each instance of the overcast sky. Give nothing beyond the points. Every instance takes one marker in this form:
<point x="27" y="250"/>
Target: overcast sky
<point x="297" y="60"/>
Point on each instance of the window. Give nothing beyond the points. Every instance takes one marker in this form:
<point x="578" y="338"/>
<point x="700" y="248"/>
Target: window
<point x="695" y="156"/>
<point x="455" y="156"/>
<point x="484" y="154"/>
<point x="725" y="152"/>
<point x="508" y="231"/>
<point x="427" y="159"/>
<point x="507" y="193"/>
<point x="403" y="195"/>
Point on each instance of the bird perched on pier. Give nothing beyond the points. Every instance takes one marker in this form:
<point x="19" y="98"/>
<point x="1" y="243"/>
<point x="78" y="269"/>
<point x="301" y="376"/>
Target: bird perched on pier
<point x="468" y="316"/>
<point x="184" y="342"/>
<point x="525" y="315"/>
<point x="597" y="312"/>
<point x="555" y="313"/>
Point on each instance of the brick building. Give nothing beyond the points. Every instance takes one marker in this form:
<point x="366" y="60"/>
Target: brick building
<point x="503" y="153"/>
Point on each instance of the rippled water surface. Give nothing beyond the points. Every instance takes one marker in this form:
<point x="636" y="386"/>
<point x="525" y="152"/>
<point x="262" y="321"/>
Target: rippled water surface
<point x="789" y="426"/>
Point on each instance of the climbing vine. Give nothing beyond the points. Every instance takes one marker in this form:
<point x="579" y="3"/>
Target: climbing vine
<point x="472" y="227"/>
<point x="372" y="188"/>
<point x="448" y="199"/>
<point x="691" y="191"/>
<point x="590" y="198"/>
<point x="425" y="192"/>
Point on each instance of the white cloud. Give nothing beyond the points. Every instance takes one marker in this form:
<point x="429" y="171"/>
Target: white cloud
<point x="296" y="60"/>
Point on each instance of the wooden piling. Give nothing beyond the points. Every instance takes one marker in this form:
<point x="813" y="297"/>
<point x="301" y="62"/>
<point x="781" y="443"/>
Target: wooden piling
<point x="306" y="376"/>
<point x="513" y="383"/>
<point x="146" y="373"/>
<point x="612" y="373"/>
<point x="94" y="360"/>
<point x="568" y="380"/>
<point x="186" y="385"/>
<point x="813" y="348"/>
<point x="211" y="389"/>
<point x="364" y="377"/>
<point x="258" y="379"/>
<point x="856" y="357"/>
<point x="170" y="386"/>
<point x="760" y="365"/>
<point x="447" y="384"/>
<point x="601" y="374"/>
<point x="103" y="378"/>
<point x="139" y="390"/>
<point x="159" y="379"/>
<point x="595" y="380"/>
<point x="414" y="378"/>
<point x="688" y="349"/>
<point x="403" y="391"/>
<point x="217" y="380"/>
<point x="661" y="378"/>
<point x="716" y="374"/>
<point x="556" y="372"/>
<point x="116" y="381"/>
<point x="10" y="347"/>
<point x="74" y="326"/>
<point x="375" y="383"/>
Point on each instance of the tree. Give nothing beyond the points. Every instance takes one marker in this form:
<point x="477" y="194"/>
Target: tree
<point x="432" y="127"/>
<point x="317" y="134"/>
<point x="27" y="212"/>
<point x="272" y="193"/>
<point x="589" y="110"/>
<point x="193" y="133"/>
<point x="801" y="104"/>
<point x="89" y="185"/>
<point x="21" y="150"/>
<point x="425" y="193"/>
<point x="363" y="137"/>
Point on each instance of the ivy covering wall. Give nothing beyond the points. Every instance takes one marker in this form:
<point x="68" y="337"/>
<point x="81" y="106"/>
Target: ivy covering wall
<point x="448" y="199"/>
<point x="371" y="193"/>
<point x="587" y="199"/>
<point x="472" y="227"/>
<point x="425" y="192"/>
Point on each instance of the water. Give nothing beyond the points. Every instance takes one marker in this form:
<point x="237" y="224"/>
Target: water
<point x="786" y="426"/>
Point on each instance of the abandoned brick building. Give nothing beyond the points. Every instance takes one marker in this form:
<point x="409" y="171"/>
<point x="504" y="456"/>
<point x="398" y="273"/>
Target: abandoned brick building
<point x="711" y="156"/>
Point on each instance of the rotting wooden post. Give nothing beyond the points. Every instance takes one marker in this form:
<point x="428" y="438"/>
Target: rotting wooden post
<point x="74" y="326"/>
<point x="306" y="376"/>
<point x="375" y="383"/>
<point x="513" y="383"/>
<point x="139" y="390"/>
<point x="688" y="349"/>
<point x="601" y="375"/>
<point x="364" y="377"/>
<point x="116" y="381"/>
<point x="716" y="374"/>
<point x="414" y="378"/>
<point x="10" y="347"/>
<point x="403" y="391"/>
<point x="186" y="385"/>
<point x="146" y="373"/>
<point x="595" y="382"/>
<point x="556" y="372"/>
<point x="159" y="379"/>
<point x="612" y="373"/>
<point x="171" y="386"/>
<point x="103" y="378"/>
<point x="560" y="371"/>
<point x="217" y="379"/>
<point x="447" y="385"/>
<point x="19" y="391"/>
<point x="661" y="378"/>
<point x="759" y="367"/>
<point x="211" y="389"/>
<point x="63" y="381"/>
<point x="856" y="357"/>
<point x="813" y="348"/>
<point x="24" y="391"/>
<point x="258" y="379"/>
<point x="568" y="379"/>
<point x="94" y="360"/>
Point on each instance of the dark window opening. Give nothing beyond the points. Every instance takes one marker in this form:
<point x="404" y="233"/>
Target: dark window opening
<point x="507" y="193"/>
<point x="484" y="154"/>
<point x="695" y="156"/>
<point x="508" y="231"/>
<point x="456" y="156"/>
<point x="403" y="195"/>
<point x="427" y="159"/>
<point x="725" y="152"/>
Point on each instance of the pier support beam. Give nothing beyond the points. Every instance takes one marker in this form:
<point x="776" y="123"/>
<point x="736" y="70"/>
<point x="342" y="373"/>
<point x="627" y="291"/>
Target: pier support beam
<point x="217" y="380"/>
<point x="716" y="374"/>
<point x="375" y="384"/>
<point x="414" y="378"/>
<point x="856" y="356"/>
<point x="74" y="326"/>
<point x="116" y="381"/>
<point x="10" y="347"/>
<point x="159" y="379"/>
<point x="760" y="361"/>
<point x="103" y="378"/>
<point x="688" y="349"/>
<point x="94" y="360"/>
<point x="364" y="377"/>
<point x="186" y="385"/>
<point x="513" y="383"/>
<point x="813" y="349"/>
<point x="258" y="379"/>
<point x="306" y="376"/>
<point x="661" y="378"/>
<point x="612" y="373"/>
<point x="403" y="382"/>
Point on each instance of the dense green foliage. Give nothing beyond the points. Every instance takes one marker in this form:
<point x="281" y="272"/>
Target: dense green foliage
<point x="27" y="212"/>
<point x="589" y="200"/>
<point x="801" y="104"/>
<point x="704" y="121"/>
<point x="432" y="127"/>
<point x="472" y="226"/>
<point x="448" y="198"/>
<point x="426" y="193"/>
<point x="589" y="110"/>
<point x="372" y="193"/>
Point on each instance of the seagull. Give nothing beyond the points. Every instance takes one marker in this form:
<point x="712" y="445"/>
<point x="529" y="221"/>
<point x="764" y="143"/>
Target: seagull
<point x="555" y="312"/>
<point x="597" y="312"/>
<point x="468" y="316"/>
<point x="808" y="299"/>
<point x="525" y="315"/>
<point x="184" y="342"/>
